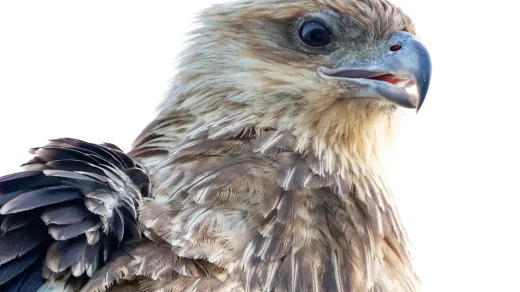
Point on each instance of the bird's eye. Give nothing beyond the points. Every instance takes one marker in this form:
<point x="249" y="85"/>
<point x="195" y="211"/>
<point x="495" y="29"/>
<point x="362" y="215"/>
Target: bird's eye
<point x="315" y="34"/>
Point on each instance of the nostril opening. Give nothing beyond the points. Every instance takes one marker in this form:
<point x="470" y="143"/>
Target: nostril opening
<point x="396" y="47"/>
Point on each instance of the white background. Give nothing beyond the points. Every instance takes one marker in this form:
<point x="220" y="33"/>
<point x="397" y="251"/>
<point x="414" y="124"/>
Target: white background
<point x="96" y="70"/>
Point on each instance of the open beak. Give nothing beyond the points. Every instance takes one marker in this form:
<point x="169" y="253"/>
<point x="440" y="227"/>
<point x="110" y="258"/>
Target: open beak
<point x="400" y="74"/>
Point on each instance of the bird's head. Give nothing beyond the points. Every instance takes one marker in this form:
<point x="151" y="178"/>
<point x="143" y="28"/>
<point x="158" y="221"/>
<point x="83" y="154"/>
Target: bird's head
<point x="333" y="71"/>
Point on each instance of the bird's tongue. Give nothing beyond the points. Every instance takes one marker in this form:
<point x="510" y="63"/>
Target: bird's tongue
<point x="388" y="78"/>
<point x="385" y="77"/>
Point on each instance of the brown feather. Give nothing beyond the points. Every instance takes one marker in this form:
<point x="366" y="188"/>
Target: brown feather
<point x="257" y="175"/>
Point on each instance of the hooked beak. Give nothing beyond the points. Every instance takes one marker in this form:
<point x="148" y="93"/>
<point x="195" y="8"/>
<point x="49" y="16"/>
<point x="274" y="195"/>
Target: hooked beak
<point x="401" y="74"/>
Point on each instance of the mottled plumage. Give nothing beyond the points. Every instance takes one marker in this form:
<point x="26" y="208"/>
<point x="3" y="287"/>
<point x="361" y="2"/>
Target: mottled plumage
<point x="261" y="171"/>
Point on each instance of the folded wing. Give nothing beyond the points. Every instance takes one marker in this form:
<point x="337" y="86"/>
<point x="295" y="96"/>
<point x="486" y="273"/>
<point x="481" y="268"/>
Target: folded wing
<point x="66" y="213"/>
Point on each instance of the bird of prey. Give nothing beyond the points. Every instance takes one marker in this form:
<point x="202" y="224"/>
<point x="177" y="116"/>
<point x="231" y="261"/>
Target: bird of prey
<point x="261" y="171"/>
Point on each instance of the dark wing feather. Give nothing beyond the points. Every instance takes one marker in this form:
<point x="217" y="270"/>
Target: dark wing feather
<point x="64" y="214"/>
<point x="20" y="241"/>
<point x="31" y="279"/>
<point x="64" y="232"/>
<point x="62" y="217"/>
<point x="15" y="221"/>
<point x="12" y="268"/>
<point x="39" y="198"/>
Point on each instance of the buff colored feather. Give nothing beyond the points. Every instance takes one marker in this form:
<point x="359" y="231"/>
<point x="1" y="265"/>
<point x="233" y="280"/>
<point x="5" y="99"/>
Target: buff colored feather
<point x="254" y="176"/>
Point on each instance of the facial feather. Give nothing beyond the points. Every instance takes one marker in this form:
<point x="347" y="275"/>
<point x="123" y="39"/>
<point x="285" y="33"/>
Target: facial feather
<point x="245" y="60"/>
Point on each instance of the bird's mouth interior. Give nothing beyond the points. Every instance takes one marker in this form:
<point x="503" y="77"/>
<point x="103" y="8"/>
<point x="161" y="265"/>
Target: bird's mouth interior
<point x="405" y="83"/>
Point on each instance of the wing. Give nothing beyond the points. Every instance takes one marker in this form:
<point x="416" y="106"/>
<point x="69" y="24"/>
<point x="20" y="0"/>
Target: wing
<point x="66" y="213"/>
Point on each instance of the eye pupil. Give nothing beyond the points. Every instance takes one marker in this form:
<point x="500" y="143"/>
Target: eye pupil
<point x="315" y="34"/>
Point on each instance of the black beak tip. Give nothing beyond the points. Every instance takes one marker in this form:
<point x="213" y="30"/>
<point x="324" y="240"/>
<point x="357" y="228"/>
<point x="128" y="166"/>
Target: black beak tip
<point x="423" y="91"/>
<point x="424" y="76"/>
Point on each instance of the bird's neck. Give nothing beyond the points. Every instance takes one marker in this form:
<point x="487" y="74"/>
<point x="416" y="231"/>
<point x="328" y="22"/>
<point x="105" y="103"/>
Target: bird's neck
<point x="349" y="143"/>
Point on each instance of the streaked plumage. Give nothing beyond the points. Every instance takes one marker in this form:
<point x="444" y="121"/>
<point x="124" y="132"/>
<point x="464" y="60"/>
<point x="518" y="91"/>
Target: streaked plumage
<point x="258" y="173"/>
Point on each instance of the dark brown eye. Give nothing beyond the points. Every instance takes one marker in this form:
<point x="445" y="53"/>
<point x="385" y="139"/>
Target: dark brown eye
<point x="315" y="34"/>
